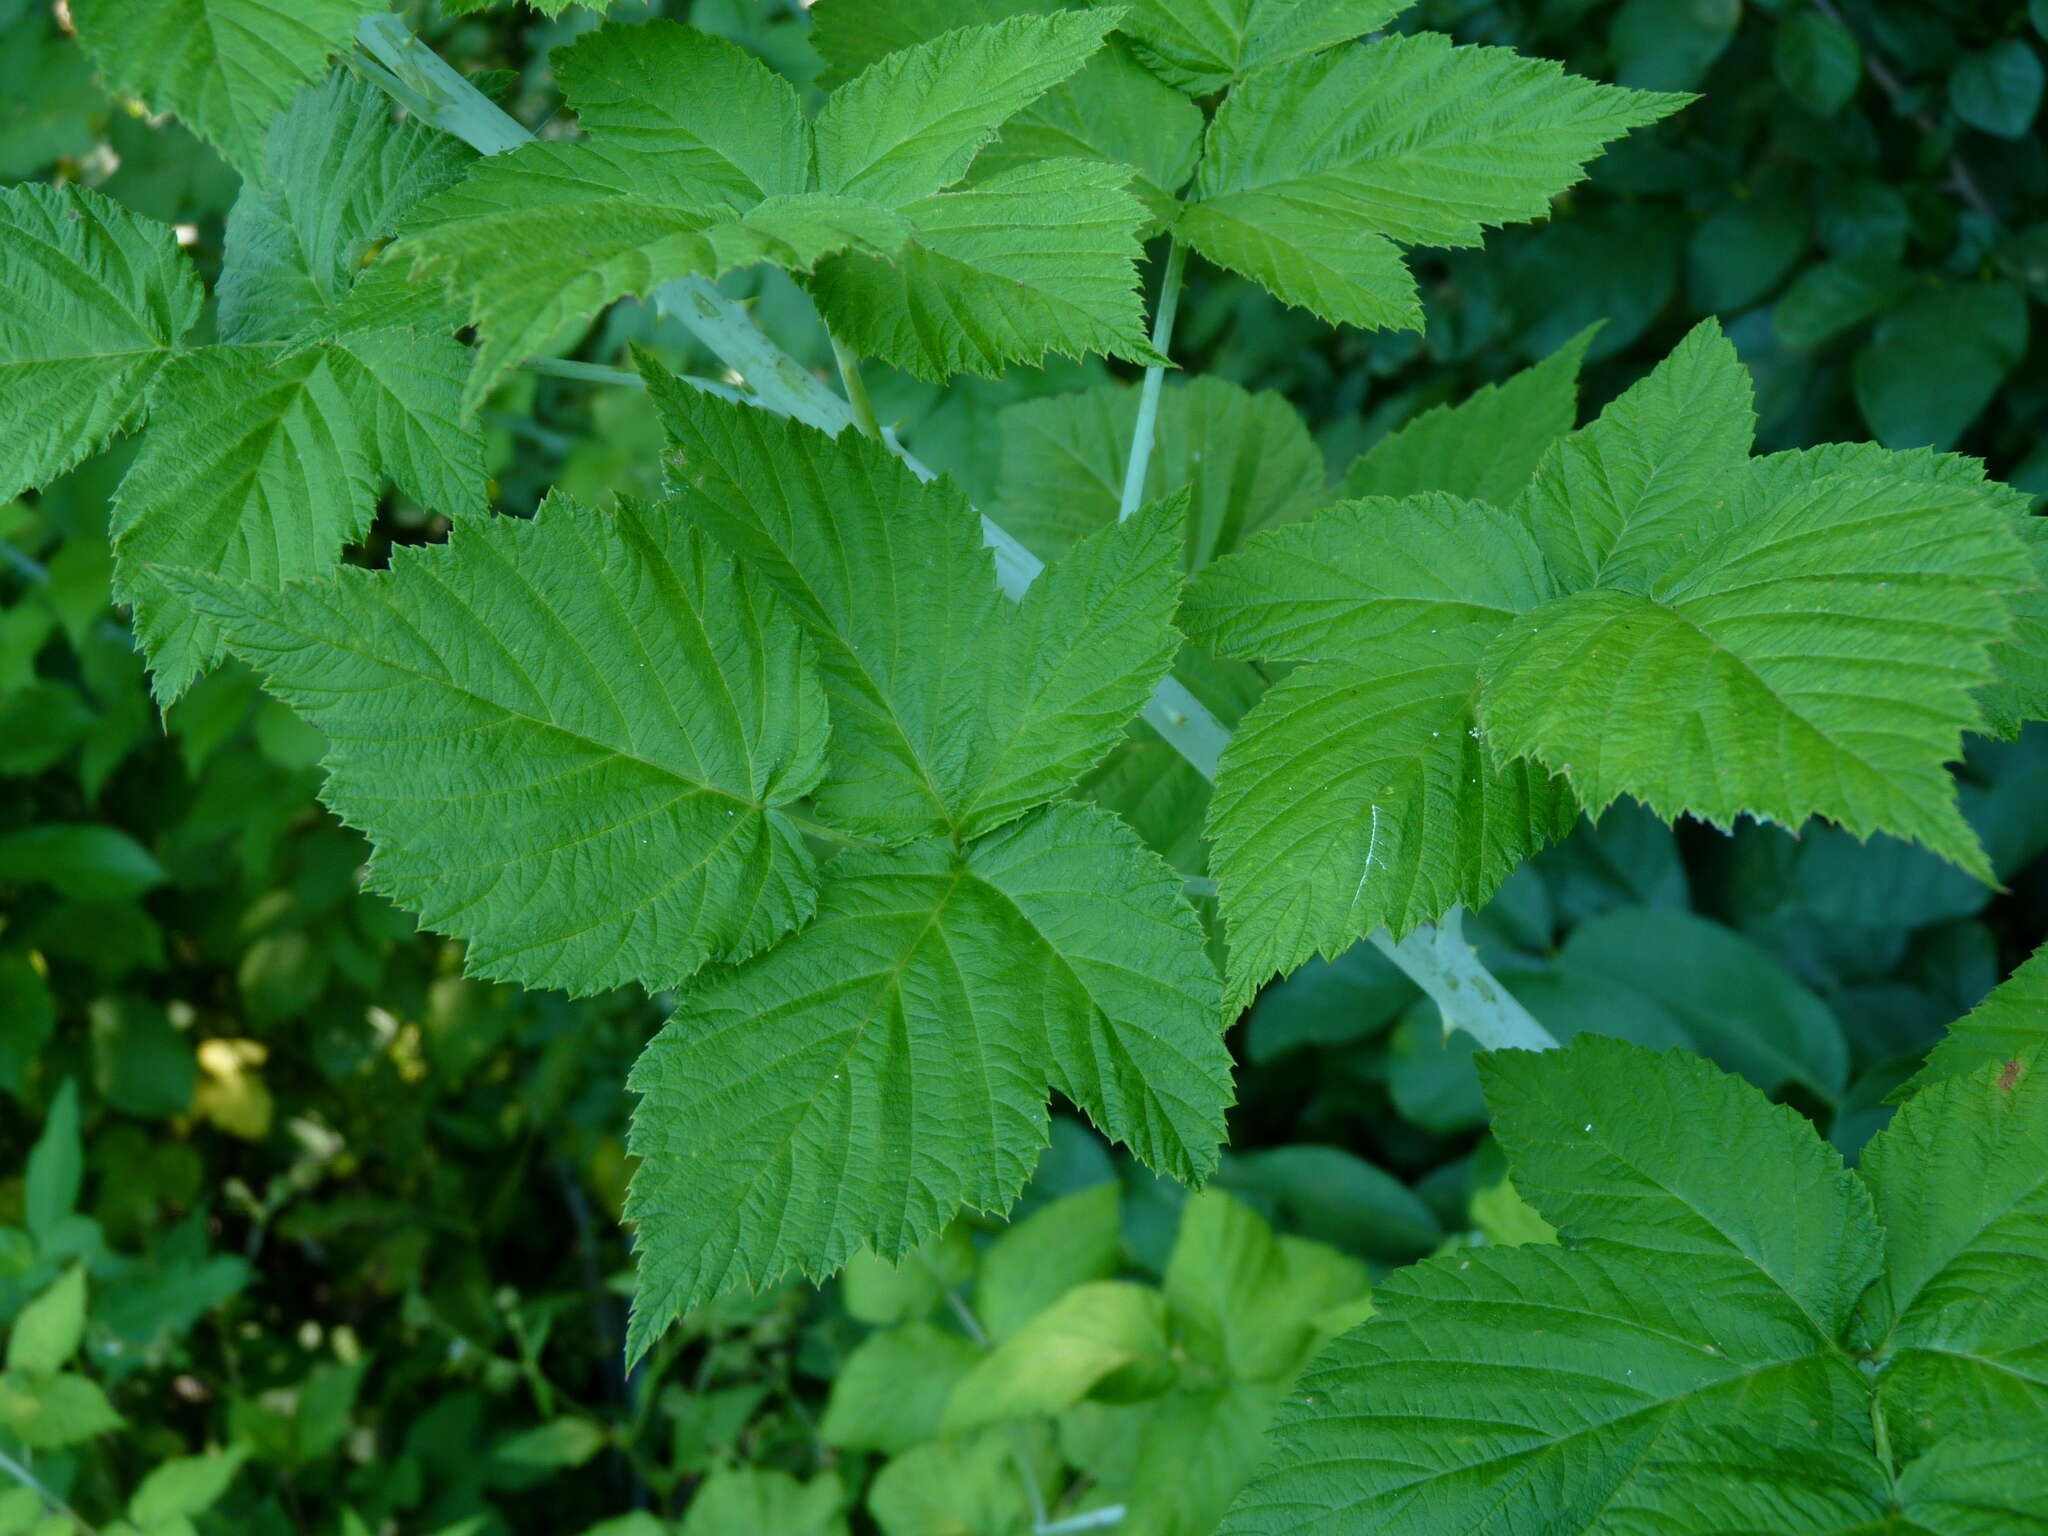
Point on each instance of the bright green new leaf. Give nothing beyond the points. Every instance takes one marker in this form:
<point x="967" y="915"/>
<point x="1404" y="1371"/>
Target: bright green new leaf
<point x="1762" y="675"/>
<point x="570" y="740"/>
<point x="1108" y="1336"/>
<point x="1315" y="171"/>
<point x="184" y="1487"/>
<point x="968" y="1484"/>
<point x="889" y="1064"/>
<point x="743" y="1501"/>
<point x="911" y="124"/>
<point x="1617" y="502"/>
<point x="226" y="67"/>
<point x="2012" y="1020"/>
<point x="1203" y="48"/>
<point x="1247" y="460"/>
<point x="1611" y="1175"/>
<point x="1485" y="447"/>
<point x="1959" y="1323"/>
<point x="953" y="710"/>
<point x="93" y="304"/>
<point x="1042" y="258"/>
<point x="890" y="1393"/>
<point x="57" y="1412"/>
<point x="1358" y="792"/>
<point x="1073" y="1241"/>
<point x="47" y="1332"/>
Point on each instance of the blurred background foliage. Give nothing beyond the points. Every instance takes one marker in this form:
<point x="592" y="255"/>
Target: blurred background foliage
<point x="301" y="1231"/>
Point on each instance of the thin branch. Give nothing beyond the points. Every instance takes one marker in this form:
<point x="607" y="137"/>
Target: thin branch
<point x="1147" y="430"/>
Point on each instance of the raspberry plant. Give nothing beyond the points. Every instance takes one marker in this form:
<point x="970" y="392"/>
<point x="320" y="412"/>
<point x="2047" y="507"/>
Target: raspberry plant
<point x="884" y="793"/>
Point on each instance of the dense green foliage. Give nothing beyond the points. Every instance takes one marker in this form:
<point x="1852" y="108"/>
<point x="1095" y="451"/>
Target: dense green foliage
<point x="662" y="741"/>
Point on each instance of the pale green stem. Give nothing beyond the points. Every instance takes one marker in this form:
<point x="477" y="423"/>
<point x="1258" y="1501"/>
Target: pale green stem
<point x="856" y="390"/>
<point x="1147" y="430"/>
<point x="29" y="1480"/>
<point x="1436" y="958"/>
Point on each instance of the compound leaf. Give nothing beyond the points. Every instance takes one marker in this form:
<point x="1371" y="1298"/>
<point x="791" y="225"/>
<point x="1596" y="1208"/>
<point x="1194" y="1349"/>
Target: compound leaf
<point x="1763" y="1201"/>
<point x="406" y="389"/>
<point x="93" y="303"/>
<point x="910" y="124"/>
<point x="889" y="1064"/>
<point x="850" y="35"/>
<point x="226" y="67"/>
<point x="1959" y="1321"/>
<point x="1314" y="170"/>
<point x="1818" y="660"/>
<point x="569" y="739"/>
<point x="1039" y="259"/>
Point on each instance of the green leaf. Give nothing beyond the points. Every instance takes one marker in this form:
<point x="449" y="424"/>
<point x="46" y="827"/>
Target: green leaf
<point x="1761" y="1210"/>
<point x="56" y="1167"/>
<point x="852" y="34"/>
<point x="88" y="861"/>
<point x="1721" y="995"/>
<point x="1244" y="1301"/>
<point x="1614" y="503"/>
<point x="339" y="175"/>
<point x="1039" y="259"/>
<point x="911" y="124"/>
<point x="1358" y="792"/>
<point x="1669" y="45"/>
<point x="225" y="67"/>
<point x="953" y="711"/>
<point x="1959" y="1320"/>
<point x="547" y="235"/>
<point x="1484" y="448"/>
<point x="1677" y="1366"/>
<point x="880" y="1292"/>
<point x="256" y="470"/>
<point x="93" y="303"/>
<point x="962" y="1487"/>
<point x="745" y="1501"/>
<point x="1073" y="1241"/>
<point x="1763" y="674"/>
<point x="1114" y="110"/>
<point x="1335" y="1197"/>
<point x="719" y="117"/>
<point x="1247" y="460"/>
<point x="50" y="1415"/>
<point x="1093" y="1338"/>
<point x="184" y="1486"/>
<point x="1964" y="1488"/>
<point x="1203" y="48"/>
<point x="1316" y="169"/>
<point x="889" y="1064"/>
<point x="570" y="740"/>
<point x="1818" y="60"/>
<point x="47" y="1332"/>
<point x="889" y="1394"/>
<point x="2011" y="1021"/>
<point x="1832" y="296"/>
<point x="406" y="392"/>
<point x="1573" y="1370"/>
<point x="1935" y="362"/>
<point x="1998" y="90"/>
